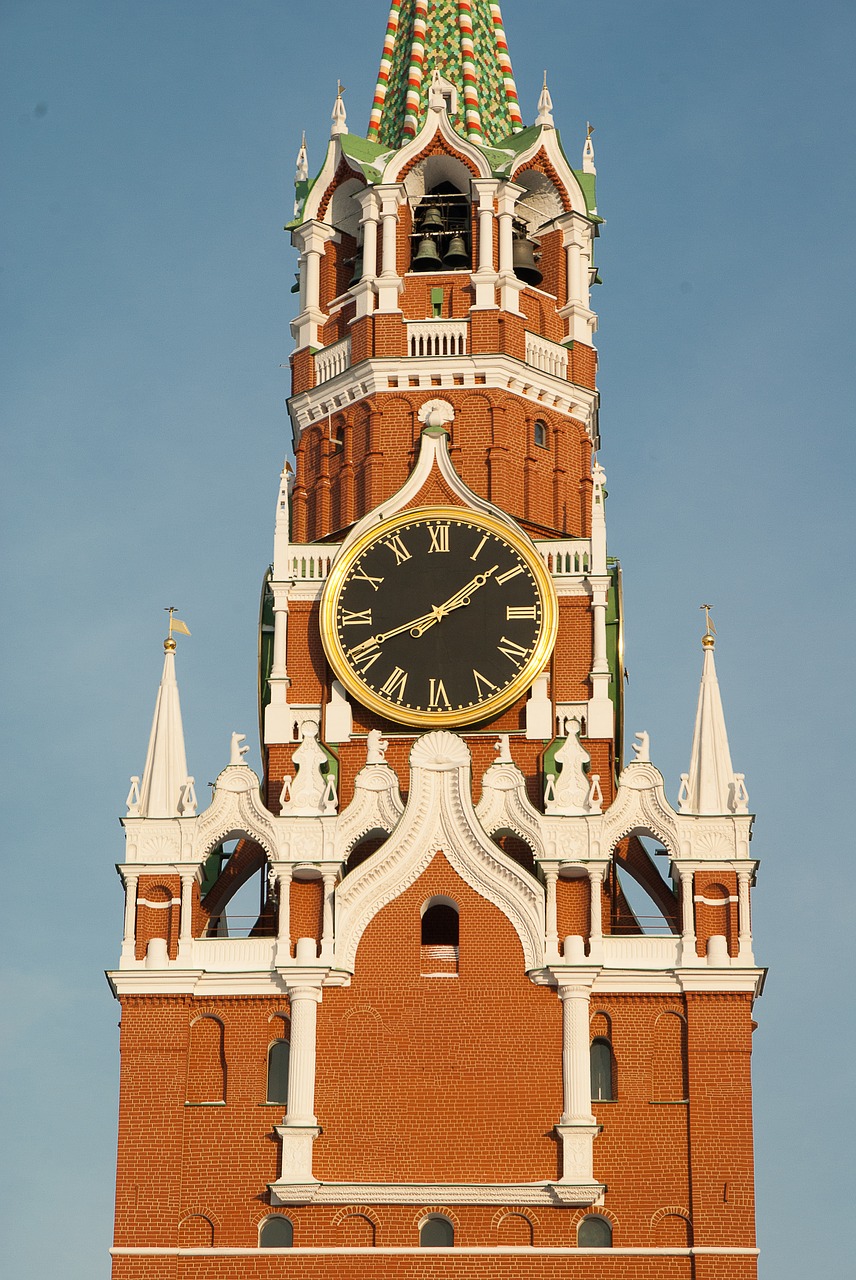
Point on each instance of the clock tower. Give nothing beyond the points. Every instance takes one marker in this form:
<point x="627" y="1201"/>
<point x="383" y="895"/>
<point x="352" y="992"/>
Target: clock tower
<point x="453" y="975"/>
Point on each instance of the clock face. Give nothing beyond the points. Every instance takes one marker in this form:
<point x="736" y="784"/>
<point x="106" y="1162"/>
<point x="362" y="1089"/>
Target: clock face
<point x="438" y="616"/>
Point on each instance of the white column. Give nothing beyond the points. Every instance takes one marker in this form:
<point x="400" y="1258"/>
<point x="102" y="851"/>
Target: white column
<point x="185" y="925"/>
<point x="311" y="239"/>
<point x="329" y="878"/>
<point x="551" y="877"/>
<point x="744" y="918"/>
<point x="510" y="286"/>
<point x="130" y="931"/>
<point x="301" y="1063"/>
<point x="278" y="716"/>
<point x="283" y="916"/>
<point x="576" y="1069"/>
<point x="389" y="281"/>
<point x="577" y="241"/>
<point x="595" y="917"/>
<point x="364" y="289"/>
<point x="688" y="948"/>
<point x="600" y="710"/>
<point x="485" y="278"/>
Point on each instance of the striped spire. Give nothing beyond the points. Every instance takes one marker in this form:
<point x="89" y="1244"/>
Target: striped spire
<point x="462" y="40"/>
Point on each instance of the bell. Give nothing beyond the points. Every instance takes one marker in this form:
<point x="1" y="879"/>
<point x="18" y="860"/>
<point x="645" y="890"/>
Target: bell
<point x="427" y="258"/>
<point x="523" y="260"/>
<point x="456" y="255"/>
<point x="358" y="270"/>
<point x="433" y="220"/>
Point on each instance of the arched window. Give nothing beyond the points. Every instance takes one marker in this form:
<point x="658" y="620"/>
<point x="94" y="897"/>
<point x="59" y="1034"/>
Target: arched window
<point x="436" y="1233"/>
<point x="277" y="1073"/>
<point x="276" y="1233"/>
<point x="540" y="434"/>
<point x="601" y="1070"/>
<point x="440" y="925"/>
<point x="595" y="1232"/>
<point x="439" y="938"/>
<point x="206" y="1063"/>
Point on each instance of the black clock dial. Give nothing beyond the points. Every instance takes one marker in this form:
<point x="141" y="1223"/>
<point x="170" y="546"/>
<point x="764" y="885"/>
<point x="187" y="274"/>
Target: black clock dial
<point x="438" y="616"/>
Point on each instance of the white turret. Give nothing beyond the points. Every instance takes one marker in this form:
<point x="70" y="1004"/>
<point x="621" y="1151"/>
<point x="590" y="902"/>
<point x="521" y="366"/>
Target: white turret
<point x="165" y="791"/>
<point x="340" y="116"/>
<point x="545" y="108"/>
<point x="711" y="786"/>
<point x="588" y="151"/>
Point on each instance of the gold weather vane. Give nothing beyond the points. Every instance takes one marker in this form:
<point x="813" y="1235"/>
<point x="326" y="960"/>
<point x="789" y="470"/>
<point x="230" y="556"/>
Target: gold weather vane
<point x="176" y="624"/>
<point x="340" y="88"/>
<point x="708" y="621"/>
<point x="589" y="128"/>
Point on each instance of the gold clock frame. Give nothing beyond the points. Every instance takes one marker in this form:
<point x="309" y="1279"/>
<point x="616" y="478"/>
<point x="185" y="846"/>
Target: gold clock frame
<point x="343" y="670"/>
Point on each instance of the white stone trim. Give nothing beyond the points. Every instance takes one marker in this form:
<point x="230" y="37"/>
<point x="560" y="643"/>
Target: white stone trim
<point x="522" y="1251"/>
<point x="544" y="1194"/>
<point x="500" y="373"/>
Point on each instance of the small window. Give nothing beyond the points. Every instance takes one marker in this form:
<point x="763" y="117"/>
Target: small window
<point x="277" y="1075"/>
<point x="601" y="1071"/>
<point x="436" y="1233"/>
<point x="541" y="434"/>
<point x="595" y="1232"/>
<point x="440" y="926"/>
<point x="276" y="1233"/>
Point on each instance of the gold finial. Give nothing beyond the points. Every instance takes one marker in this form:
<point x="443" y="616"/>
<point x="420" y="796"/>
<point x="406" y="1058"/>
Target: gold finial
<point x="710" y="630"/>
<point x="176" y="625"/>
<point x="589" y="128"/>
<point x="545" y="79"/>
<point x="340" y="88"/>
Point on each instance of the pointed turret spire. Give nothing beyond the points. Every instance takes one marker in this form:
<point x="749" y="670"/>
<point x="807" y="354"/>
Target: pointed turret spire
<point x="711" y="786"/>
<point x="301" y="173"/>
<point x="588" y="151"/>
<point x="340" y="115"/>
<point x="545" y="108"/>
<point x="165" y="790"/>
<point x="462" y="40"/>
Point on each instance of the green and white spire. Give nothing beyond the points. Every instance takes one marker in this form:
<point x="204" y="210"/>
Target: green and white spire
<point x="463" y="42"/>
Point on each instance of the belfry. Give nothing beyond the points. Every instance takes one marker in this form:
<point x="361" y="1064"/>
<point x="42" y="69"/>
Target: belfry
<point x="453" y="976"/>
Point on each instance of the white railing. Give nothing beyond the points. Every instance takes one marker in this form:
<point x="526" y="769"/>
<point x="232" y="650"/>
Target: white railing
<point x="309" y="563"/>
<point x="641" y="952"/>
<point x="227" y="955"/>
<point x="332" y="360"/>
<point x="547" y="356"/>
<point x="567" y="558"/>
<point x="437" y="337"/>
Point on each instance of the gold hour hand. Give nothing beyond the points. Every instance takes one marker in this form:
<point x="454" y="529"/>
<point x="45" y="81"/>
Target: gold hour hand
<point x="457" y="601"/>
<point x="415" y="626"/>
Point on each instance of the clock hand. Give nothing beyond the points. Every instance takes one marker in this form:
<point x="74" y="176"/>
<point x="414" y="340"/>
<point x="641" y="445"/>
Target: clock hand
<point x="457" y="601"/>
<point x="418" y="626"/>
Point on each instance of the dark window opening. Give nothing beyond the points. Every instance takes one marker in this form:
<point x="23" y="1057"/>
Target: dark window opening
<point x="595" y="1233"/>
<point x="440" y="926"/>
<point x="277" y="1079"/>
<point x="601" y="1071"/>
<point x="541" y="434"/>
<point x="276" y="1233"/>
<point x="436" y="1233"/>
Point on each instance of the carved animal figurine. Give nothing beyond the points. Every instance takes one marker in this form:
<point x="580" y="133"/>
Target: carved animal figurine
<point x="376" y="746"/>
<point x="238" y="752"/>
<point x="642" y="748"/>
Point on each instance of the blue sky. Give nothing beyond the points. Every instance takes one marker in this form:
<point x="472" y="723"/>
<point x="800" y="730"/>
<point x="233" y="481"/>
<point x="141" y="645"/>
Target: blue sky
<point x="149" y="153"/>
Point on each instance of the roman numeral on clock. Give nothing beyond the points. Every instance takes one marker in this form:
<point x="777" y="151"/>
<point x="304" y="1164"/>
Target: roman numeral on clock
<point x="439" y="537"/>
<point x="358" y="618"/>
<point x="365" y="654"/>
<point x="509" y="574"/>
<point x="515" y="613"/>
<point x="437" y="696"/>
<point x="483" y="685"/>
<point x="361" y="576"/>
<point x="514" y="652"/>
<point x="394" y="687"/>
<point x="398" y="549"/>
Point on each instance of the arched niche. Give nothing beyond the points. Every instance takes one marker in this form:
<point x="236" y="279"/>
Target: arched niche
<point x="236" y="900"/>
<point x="343" y="211"/>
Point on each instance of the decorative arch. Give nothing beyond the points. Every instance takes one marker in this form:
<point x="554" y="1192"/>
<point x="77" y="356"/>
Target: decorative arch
<point x="436" y="1210"/>
<point x="440" y="816"/>
<point x="236" y="812"/>
<point x="595" y="1210"/>
<point x="359" y="1226"/>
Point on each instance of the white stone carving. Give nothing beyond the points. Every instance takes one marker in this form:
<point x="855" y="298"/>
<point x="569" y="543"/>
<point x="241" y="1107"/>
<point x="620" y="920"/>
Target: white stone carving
<point x="235" y="810"/>
<point x="572" y="791"/>
<point x="505" y="804"/>
<point x="312" y="791"/>
<point x="641" y="748"/>
<point x="436" y="413"/>
<point x="440" y="816"/>
<point x="238" y="748"/>
<point x="376" y="747"/>
<point x="377" y="803"/>
<point x="545" y="1194"/>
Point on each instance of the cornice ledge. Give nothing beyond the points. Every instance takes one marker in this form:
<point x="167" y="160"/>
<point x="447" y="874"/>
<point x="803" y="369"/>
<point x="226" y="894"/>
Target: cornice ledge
<point x="547" y="1194"/>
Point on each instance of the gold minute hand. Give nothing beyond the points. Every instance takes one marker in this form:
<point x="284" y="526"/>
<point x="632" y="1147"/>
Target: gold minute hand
<point x="415" y="626"/>
<point x="457" y="601"/>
